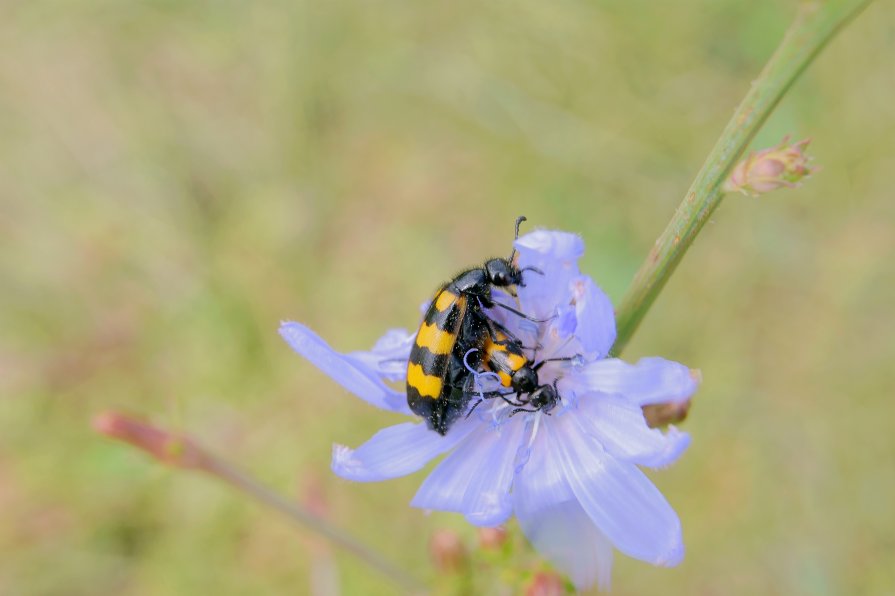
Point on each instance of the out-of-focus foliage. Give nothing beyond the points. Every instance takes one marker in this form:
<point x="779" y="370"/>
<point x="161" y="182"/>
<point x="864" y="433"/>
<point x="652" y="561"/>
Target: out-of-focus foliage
<point x="176" y="177"/>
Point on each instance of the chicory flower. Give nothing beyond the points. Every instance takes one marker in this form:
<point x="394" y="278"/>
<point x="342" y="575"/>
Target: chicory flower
<point x="570" y="475"/>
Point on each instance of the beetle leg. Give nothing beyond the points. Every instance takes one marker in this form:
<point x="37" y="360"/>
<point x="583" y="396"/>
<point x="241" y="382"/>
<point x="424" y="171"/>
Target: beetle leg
<point x="522" y="314"/>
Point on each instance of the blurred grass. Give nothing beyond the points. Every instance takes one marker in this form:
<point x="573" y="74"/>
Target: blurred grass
<point x="176" y="177"/>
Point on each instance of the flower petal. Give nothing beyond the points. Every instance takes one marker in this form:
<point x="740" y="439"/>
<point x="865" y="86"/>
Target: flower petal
<point x="353" y="374"/>
<point x="395" y="451"/>
<point x="650" y="381"/>
<point x="563" y="324"/>
<point x="550" y="244"/>
<point x="475" y="479"/>
<point x="554" y="522"/>
<point x="619" y="426"/>
<point x="540" y="482"/>
<point x="566" y="536"/>
<point x="388" y="358"/>
<point x="596" y="317"/>
<point x="617" y="497"/>
<point x="556" y="255"/>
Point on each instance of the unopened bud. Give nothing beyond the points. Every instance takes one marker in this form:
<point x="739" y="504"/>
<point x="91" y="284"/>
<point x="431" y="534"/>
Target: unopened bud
<point x="492" y="538"/>
<point x="545" y="583"/>
<point x="169" y="448"/>
<point x="447" y="550"/>
<point x="670" y="412"/>
<point x="658" y="415"/>
<point x="769" y="169"/>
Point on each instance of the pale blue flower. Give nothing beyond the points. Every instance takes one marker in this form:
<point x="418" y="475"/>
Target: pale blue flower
<point x="571" y="477"/>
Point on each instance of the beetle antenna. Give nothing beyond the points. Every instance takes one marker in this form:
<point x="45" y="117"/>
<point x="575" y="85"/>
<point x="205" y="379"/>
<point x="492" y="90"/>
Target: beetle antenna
<point x="558" y="359"/>
<point x="519" y="221"/>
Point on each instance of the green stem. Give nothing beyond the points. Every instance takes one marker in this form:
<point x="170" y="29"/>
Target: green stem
<point x="815" y="25"/>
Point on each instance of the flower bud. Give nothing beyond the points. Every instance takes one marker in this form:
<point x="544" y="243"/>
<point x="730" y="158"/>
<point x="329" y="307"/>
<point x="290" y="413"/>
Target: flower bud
<point x="447" y="550"/>
<point x="545" y="583"/>
<point x="659" y="415"/>
<point x="769" y="169"/>
<point x="492" y="538"/>
<point x="169" y="448"/>
<point x="671" y="412"/>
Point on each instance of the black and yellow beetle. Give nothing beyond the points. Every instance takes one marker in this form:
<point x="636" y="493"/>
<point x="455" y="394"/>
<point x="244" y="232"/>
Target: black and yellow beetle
<point x="451" y="337"/>
<point x="504" y="356"/>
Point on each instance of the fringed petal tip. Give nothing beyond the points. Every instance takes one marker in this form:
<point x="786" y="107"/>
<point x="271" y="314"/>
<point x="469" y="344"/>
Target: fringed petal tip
<point x="673" y="557"/>
<point x="343" y="463"/>
<point x="347" y="463"/>
<point x="696" y="375"/>
<point x="493" y="517"/>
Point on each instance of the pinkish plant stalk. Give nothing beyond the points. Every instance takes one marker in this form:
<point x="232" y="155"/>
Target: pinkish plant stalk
<point x="179" y="451"/>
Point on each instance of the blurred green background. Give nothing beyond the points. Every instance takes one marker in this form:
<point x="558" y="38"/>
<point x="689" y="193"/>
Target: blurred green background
<point x="177" y="177"/>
